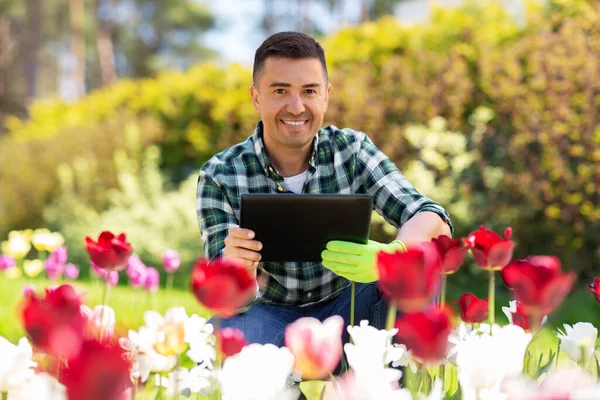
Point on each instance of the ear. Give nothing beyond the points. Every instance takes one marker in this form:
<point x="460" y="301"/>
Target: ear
<point x="254" y="95"/>
<point x="327" y="92"/>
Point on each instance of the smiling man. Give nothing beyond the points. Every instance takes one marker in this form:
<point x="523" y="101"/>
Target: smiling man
<point x="289" y="151"/>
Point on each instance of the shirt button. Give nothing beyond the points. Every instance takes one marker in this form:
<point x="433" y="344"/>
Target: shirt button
<point x="280" y="188"/>
<point x="308" y="295"/>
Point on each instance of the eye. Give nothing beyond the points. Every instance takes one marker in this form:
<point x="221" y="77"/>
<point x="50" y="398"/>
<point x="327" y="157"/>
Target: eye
<point x="279" y="91"/>
<point x="310" y="91"/>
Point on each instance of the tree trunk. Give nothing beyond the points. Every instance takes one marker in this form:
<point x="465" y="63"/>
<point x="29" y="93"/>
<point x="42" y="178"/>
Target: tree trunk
<point x="77" y="22"/>
<point x="34" y="15"/>
<point x="104" y="43"/>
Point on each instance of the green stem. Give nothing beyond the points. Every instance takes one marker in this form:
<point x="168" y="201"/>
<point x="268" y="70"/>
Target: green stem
<point x="170" y="281"/>
<point x="491" y="300"/>
<point x="4" y="395"/>
<point x="443" y="294"/>
<point x="352" y="295"/>
<point x="105" y="292"/>
<point x="391" y="317"/>
<point x="557" y="354"/>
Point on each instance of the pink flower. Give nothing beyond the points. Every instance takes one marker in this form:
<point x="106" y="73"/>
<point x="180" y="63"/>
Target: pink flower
<point x="55" y="263"/>
<point x="171" y="260"/>
<point x="111" y="277"/>
<point x="7" y="262"/>
<point x="29" y="290"/>
<point x="152" y="279"/>
<point x="316" y="346"/>
<point x="71" y="271"/>
<point x="137" y="271"/>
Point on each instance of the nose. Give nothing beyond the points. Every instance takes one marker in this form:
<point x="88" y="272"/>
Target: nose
<point x="295" y="105"/>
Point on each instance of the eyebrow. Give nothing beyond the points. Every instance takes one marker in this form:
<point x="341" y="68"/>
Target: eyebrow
<point x="284" y="84"/>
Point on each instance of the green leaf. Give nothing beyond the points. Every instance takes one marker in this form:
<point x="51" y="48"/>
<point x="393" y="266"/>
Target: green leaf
<point x="546" y="367"/>
<point x="312" y="389"/>
<point x="450" y="380"/>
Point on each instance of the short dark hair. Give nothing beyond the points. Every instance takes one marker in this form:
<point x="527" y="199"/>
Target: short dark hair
<point x="295" y="45"/>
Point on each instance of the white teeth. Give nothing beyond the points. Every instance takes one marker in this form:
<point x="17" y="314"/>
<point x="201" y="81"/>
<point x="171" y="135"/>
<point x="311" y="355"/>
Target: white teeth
<point x="296" y="123"/>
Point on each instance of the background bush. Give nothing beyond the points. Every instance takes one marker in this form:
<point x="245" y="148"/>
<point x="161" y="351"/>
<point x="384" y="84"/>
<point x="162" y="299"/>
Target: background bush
<point x="499" y="115"/>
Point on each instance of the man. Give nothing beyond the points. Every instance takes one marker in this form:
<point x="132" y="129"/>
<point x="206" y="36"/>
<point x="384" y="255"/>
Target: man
<point x="289" y="151"/>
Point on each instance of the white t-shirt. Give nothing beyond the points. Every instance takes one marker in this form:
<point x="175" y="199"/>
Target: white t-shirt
<point x="296" y="183"/>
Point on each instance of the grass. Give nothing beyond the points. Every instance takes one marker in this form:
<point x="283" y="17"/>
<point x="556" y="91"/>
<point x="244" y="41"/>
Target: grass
<point x="129" y="303"/>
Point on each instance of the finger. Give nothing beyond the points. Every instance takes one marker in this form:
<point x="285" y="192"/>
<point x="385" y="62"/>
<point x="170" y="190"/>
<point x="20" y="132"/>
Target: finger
<point x="339" y="268"/>
<point x="238" y="252"/>
<point x="250" y="265"/>
<point x="345" y="247"/>
<point x="343" y="258"/>
<point x="232" y="241"/>
<point x="241" y="233"/>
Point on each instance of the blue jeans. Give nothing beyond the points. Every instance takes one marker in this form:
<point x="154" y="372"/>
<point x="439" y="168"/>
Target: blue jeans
<point x="266" y="323"/>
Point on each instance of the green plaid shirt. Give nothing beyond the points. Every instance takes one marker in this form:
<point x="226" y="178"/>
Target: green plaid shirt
<point x="342" y="161"/>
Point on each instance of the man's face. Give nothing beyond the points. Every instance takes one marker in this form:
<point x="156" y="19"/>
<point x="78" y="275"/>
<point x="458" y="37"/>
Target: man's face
<point x="291" y="96"/>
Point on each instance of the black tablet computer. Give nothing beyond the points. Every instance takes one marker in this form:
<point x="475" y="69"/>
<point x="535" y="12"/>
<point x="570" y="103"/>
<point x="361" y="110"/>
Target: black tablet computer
<point x="297" y="227"/>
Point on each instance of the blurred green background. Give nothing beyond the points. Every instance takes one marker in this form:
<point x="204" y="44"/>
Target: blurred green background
<point x="109" y="107"/>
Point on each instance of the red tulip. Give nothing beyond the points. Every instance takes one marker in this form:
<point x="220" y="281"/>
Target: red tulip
<point x="231" y="340"/>
<point x="595" y="289"/>
<point x="110" y="253"/>
<point x="55" y="323"/>
<point x="451" y="252"/>
<point x="222" y="285"/>
<point x="472" y="310"/>
<point x="489" y="249"/>
<point x="520" y="318"/>
<point x="425" y="333"/>
<point x="410" y="278"/>
<point x="100" y="371"/>
<point x="538" y="283"/>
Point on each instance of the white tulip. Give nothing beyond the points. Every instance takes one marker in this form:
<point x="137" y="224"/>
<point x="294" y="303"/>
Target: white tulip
<point x="578" y="340"/>
<point x="42" y="386"/>
<point x="16" y="365"/>
<point x="258" y="372"/>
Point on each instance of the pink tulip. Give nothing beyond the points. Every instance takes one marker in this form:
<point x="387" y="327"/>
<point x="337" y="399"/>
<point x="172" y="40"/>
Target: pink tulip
<point x="71" y="271"/>
<point x="137" y="271"/>
<point x="111" y="277"/>
<point x="171" y="260"/>
<point x="152" y="279"/>
<point x="101" y="318"/>
<point x="7" y="262"/>
<point x="29" y="290"/>
<point x="55" y="263"/>
<point x="316" y="346"/>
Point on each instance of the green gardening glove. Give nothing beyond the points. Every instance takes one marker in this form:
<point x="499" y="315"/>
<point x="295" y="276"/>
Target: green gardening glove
<point x="354" y="261"/>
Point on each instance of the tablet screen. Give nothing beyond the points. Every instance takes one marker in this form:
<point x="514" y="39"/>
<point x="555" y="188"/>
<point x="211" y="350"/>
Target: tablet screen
<point x="297" y="227"/>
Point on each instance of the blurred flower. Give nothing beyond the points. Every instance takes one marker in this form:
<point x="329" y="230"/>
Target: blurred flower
<point x="110" y="252"/>
<point x="152" y="282"/>
<point x="472" y="309"/>
<point x="485" y="360"/>
<point x="538" y="283"/>
<point x="101" y="318"/>
<point x="411" y="278"/>
<point x="425" y="334"/>
<point x="516" y="315"/>
<point x="231" y="341"/>
<point x="578" y="341"/>
<point x="33" y="268"/>
<point x="593" y="287"/>
<point x="199" y="380"/>
<point x="137" y="271"/>
<point x="41" y="386"/>
<point x="169" y="331"/>
<point x="372" y="348"/>
<point x="112" y="277"/>
<point x="258" y="372"/>
<point x="171" y="260"/>
<point x="561" y="384"/>
<point x="457" y="337"/>
<point x="452" y="253"/>
<point x="13" y="273"/>
<point x="55" y="263"/>
<point x="316" y="346"/>
<point x="489" y="249"/>
<point x="28" y="290"/>
<point x="100" y="371"/>
<point x="7" y="262"/>
<point x="44" y="240"/>
<point x="140" y="350"/>
<point x="222" y="285"/>
<point x="72" y="271"/>
<point x="55" y="323"/>
<point x="353" y="386"/>
<point x="199" y="334"/>
<point x="16" y="365"/>
<point x="17" y="245"/>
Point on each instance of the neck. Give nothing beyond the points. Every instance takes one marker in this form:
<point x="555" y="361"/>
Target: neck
<point x="290" y="164"/>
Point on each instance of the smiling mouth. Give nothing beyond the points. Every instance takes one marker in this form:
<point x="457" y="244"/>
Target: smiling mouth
<point x="294" y="123"/>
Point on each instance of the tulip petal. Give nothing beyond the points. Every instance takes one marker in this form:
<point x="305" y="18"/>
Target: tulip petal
<point x="500" y="254"/>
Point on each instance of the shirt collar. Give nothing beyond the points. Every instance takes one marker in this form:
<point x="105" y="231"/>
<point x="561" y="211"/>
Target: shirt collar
<point x="259" y="148"/>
